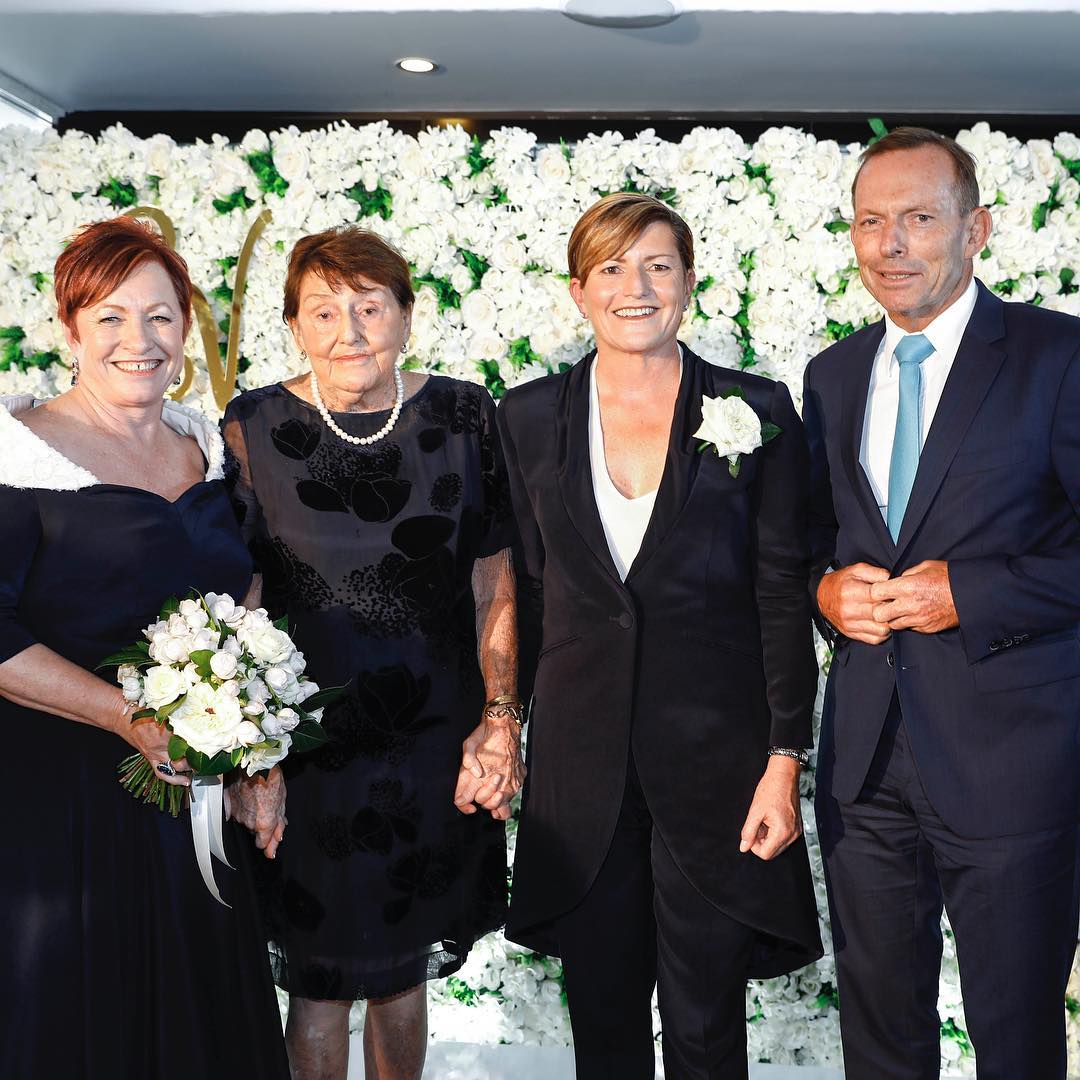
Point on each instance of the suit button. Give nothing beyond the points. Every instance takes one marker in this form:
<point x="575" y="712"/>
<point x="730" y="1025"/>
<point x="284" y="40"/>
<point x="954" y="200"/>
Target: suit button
<point x="890" y="660"/>
<point x="995" y="645"/>
<point x="626" y="620"/>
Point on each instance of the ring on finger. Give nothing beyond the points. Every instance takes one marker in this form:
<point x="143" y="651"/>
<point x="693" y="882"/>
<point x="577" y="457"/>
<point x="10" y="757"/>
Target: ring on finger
<point x="165" y="768"/>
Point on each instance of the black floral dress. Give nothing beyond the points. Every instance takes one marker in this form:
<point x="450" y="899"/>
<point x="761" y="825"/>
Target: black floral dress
<point x="381" y="883"/>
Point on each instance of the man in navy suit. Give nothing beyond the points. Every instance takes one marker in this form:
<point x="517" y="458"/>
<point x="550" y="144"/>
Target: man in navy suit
<point x="946" y="522"/>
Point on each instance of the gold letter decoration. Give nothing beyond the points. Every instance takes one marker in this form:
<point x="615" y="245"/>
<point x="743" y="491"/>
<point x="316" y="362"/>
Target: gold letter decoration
<point x="222" y="376"/>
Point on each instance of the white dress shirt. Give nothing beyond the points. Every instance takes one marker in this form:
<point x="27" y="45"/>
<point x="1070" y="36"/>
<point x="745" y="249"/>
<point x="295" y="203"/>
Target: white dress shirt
<point x="883" y="397"/>
<point x="624" y="520"/>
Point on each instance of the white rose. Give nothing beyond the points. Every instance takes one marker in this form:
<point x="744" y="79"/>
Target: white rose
<point x="256" y="690"/>
<point x="177" y="625"/>
<point x="224" y="610"/>
<point x="191" y="674"/>
<point x="297" y="663"/>
<point x="267" y="757"/>
<point x="172" y="650"/>
<point x="461" y="279"/>
<point x="132" y="688"/>
<point x="265" y="642"/>
<point x="478" y="310"/>
<point x="208" y="720"/>
<point x="288" y="719"/>
<point x="233" y="646"/>
<point x="223" y="664"/>
<point x="193" y="614"/>
<point x="730" y="425"/>
<point x="277" y="678"/>
<point x="247" y="733"/>
<point x="163" y="685"/>
<point x="203" y="639"/>
<point x="254" y="708"/>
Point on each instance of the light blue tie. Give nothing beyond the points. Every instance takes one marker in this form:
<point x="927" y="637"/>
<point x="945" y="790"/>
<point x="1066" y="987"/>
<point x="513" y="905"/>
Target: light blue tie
<point x="907" y="441"/>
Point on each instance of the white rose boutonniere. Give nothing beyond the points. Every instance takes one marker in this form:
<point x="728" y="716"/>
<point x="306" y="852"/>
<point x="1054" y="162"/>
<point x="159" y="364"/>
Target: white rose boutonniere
<point x="732" y="428"/>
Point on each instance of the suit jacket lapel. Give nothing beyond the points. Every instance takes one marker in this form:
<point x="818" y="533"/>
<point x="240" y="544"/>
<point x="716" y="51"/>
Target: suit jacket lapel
<point x="575" y="463"/>
<point x="682" y="462"/>
<point x="976" y="366"/>
<point x="855" y="391"/>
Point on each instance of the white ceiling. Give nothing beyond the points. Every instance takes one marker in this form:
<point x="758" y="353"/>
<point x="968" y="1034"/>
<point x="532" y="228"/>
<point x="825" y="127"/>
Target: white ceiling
<point x="712" y="58"/>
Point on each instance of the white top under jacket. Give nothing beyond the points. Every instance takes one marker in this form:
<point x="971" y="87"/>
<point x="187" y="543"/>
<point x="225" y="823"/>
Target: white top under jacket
<point x="624" y="520"/>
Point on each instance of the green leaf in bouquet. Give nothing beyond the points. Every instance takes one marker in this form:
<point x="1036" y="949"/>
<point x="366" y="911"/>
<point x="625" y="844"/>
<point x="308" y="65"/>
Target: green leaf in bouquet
<point x="178" y="747"/>
<point x="328" y="696"/>
<point x="197" y="760"/>
<point x="167" y="710"/>
<point x="282" y="623"/>
<point x="201" y="659"/>
<point x="137" y="655"/>
<point x="221" y="762"/>
<point x="143" y="714"/>
<point x="236" y="756"/>
<point x="170" y="607"/>
<point x="308" y="735"/>
<point x="769" y="432"/>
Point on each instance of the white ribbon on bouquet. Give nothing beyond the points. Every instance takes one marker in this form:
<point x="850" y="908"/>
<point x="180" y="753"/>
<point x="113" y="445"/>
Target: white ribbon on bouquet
<point x="207" y="798"/>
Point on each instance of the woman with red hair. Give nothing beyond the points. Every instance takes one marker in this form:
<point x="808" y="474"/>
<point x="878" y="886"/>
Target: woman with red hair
<point x="116" y="961"/>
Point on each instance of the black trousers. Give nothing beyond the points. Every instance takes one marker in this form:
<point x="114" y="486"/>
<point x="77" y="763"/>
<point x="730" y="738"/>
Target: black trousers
<point x="1013" y="902"/>
<point x="642" y="925"/>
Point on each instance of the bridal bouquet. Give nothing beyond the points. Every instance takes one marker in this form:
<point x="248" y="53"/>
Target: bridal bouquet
<point x="229" y="685"/>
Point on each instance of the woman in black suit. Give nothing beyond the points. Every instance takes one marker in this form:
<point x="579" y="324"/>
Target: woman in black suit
<point x="666" y="635"/>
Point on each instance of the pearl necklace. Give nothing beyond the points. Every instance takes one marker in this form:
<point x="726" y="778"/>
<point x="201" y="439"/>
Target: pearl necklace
<point x="357" y="440"/>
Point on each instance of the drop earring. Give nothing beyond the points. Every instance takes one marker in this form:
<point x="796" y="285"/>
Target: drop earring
<point x="74" y="371"/>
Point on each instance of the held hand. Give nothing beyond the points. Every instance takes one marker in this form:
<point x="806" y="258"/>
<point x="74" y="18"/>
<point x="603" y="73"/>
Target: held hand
<point x="492" y="771"/>
<point x="151" y="739"/>
<point x="844" y="599"/>
<point x="775" y="818"/>
<point x="258" y="803"/>
<point x="920" y="599"/>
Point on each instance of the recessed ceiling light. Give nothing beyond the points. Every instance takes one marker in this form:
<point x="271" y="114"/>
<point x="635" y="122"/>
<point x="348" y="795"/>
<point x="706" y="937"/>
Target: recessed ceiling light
<point x="417" y="65"/>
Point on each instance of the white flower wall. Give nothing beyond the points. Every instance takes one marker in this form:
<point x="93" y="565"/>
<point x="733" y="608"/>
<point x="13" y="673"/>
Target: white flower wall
<point x="484" y="225"/>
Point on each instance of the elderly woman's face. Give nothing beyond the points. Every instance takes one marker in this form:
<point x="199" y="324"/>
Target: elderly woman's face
<point x="636" y="300"/>
<point x="130" y="345"/>
<point x="352" y="335"/>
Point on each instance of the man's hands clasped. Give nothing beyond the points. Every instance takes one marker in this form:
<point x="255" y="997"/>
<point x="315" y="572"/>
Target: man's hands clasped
<point x="865" y="604"/>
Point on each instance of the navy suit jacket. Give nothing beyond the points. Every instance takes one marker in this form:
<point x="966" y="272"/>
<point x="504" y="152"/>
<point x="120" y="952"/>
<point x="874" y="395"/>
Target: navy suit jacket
<point x="991" y="708"/>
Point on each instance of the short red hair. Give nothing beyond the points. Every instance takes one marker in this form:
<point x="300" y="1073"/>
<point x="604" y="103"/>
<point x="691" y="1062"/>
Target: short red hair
<point x="102" y="255"/>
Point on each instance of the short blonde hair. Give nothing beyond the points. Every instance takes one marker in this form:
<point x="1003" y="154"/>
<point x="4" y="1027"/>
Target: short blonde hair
<point x="611" y="225"/>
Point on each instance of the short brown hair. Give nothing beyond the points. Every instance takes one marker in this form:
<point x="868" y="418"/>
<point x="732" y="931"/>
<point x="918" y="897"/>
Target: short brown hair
<point x="966" y="185"/>
<point x="102" y="255"/>
<point x="612" y="225"/>
<point x="342" y="256"/>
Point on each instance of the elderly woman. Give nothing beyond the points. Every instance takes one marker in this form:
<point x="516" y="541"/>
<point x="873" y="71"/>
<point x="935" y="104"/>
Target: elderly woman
<point x="660" y="840"/>
<point x="117" y="962"/>
<point x="376" y="505"/>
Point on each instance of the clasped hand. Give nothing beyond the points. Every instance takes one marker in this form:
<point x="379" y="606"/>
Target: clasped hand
<point x="867" y="605"/>
<point x="492" y="771"/>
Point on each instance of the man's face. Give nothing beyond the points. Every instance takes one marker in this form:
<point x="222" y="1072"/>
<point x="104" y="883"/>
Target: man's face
<point x="913" y="244"/>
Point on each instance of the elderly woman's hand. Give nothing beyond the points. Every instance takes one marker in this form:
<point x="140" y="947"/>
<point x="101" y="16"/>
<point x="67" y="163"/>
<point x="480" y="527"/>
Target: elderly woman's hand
<point x="258" y="803"/>
<point x="492" y="771"/>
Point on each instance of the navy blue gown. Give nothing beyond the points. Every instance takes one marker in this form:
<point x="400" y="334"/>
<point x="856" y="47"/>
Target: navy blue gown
<point x="116" y="962"/>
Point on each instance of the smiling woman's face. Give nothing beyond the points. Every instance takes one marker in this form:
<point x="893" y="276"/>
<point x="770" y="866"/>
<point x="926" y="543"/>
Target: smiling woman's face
<point x="635" y="301"/>
<point x="130" y="344"/>
<point x="352" y="334"/>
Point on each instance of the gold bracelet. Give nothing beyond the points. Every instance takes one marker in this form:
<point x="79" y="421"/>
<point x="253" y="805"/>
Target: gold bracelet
<point x="506" y="705"/>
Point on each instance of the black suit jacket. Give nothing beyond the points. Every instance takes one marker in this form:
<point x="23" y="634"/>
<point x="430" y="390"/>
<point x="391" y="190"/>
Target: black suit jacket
<point x="992" y="708"/>
<point x="700" y="661"/>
